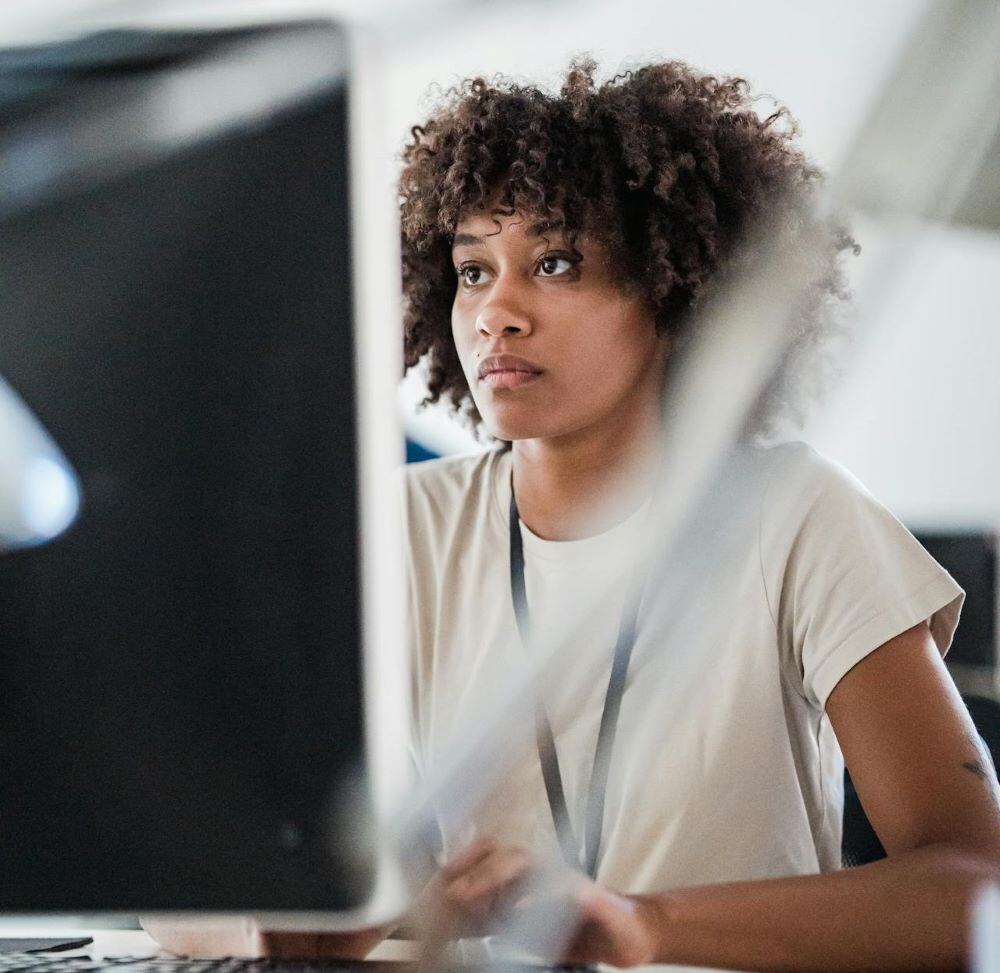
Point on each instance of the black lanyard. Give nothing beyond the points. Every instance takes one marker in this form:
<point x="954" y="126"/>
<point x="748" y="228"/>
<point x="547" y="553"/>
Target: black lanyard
<point x="609" y="718"/>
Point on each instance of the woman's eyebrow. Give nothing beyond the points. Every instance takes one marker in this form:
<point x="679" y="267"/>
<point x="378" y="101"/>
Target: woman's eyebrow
<point x="537" y="229"/>
<point x="541" y="227"/>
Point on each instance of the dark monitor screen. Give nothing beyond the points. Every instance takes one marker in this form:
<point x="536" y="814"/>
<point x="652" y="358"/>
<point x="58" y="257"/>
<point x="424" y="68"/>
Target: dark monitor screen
<point x="182" y="717"/>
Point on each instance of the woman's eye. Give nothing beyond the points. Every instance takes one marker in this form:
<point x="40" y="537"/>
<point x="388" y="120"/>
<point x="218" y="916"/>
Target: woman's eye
<point x="554" y="266"/>
<point x="470" y="274"/>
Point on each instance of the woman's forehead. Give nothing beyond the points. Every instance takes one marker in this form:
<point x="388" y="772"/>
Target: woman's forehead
<point x="489" y="227"/>
<point x="515" y="221"/>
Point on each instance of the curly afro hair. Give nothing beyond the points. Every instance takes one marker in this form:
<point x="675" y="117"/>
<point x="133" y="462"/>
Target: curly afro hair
<point x="668" y="169"/>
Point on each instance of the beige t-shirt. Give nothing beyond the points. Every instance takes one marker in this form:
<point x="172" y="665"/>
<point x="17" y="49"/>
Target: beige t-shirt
<point x="724" y="767"/>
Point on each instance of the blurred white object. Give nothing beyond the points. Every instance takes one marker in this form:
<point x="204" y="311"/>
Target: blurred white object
<point x="39" y="492"/>
<point x="986" y="931"/>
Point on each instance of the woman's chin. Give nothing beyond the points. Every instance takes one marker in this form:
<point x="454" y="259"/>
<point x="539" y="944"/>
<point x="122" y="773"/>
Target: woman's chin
<point x="509" y="421"/>
<point x="509" y="431"/>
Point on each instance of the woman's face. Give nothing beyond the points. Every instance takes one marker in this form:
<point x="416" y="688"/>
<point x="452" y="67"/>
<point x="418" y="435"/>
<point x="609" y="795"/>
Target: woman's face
<point x="550" y="342"/>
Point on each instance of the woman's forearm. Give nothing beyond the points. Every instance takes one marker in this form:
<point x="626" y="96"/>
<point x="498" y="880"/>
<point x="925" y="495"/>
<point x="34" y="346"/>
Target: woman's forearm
<point x="909" y="911"/>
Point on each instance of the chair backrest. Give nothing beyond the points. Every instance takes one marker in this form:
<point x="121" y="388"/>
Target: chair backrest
<point x="860" y="844"/>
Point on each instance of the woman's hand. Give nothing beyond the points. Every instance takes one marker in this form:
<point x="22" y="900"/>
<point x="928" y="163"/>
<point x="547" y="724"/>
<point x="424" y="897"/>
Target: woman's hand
<point x="492" y="888"/>
<point x="207" y="939"/>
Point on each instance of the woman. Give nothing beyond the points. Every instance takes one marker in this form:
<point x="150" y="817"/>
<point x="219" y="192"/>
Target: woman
<point x="553" y="249"/>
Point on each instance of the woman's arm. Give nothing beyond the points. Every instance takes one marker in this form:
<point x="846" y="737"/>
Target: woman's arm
<point x="932" y="796"/>
<point x="930" y="791"/>
<point x="910" y="912"/>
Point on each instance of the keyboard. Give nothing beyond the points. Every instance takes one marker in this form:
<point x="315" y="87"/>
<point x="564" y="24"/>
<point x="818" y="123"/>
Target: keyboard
<point x="54" y="963"/>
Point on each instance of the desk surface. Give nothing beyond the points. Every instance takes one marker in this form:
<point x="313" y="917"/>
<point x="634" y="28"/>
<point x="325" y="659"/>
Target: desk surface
<point x="135" y="942"/>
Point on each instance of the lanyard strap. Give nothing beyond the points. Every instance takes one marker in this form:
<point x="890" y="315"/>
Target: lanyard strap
<point x="609" y="718"/>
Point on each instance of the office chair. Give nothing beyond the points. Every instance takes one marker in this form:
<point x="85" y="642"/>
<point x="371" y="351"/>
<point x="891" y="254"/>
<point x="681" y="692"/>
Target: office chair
<point x="860" y="844"/>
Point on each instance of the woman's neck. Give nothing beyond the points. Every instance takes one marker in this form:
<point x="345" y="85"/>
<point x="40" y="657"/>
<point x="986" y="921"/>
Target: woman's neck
<point x="581" y="484"/>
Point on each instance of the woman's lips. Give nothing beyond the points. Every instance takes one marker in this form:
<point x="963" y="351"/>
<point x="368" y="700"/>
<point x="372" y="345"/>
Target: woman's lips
<point x="505" y="371"/>
<point x="508" y="378"/>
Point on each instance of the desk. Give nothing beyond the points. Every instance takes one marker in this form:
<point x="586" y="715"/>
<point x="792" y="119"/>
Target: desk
<point x="136" y="942"/>
<point x="107" y="942"/>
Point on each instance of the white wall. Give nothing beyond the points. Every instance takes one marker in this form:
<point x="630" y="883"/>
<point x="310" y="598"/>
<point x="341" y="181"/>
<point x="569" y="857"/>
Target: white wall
<point x="917" y="416"/>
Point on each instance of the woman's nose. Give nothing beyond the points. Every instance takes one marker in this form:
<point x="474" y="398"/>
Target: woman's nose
<point x="502" y="316"/>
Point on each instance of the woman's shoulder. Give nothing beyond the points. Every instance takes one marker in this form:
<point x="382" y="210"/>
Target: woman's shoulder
<point x="804" y="463"/>
<point x="797" y="481"/>
<point x="445" y="488"/>
<point x="842" y="574"/>
<point x="449" y="476"/>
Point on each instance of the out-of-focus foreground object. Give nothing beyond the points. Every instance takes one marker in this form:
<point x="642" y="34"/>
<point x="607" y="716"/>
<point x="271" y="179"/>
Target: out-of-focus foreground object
<point x="186" y="725"/>
<point x="986" y="932"/>
<point x="930" y="148"/>
<point x="39" y="492"/>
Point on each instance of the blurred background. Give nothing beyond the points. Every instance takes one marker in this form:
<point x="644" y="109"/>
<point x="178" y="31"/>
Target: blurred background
<point x="916" y="415"/>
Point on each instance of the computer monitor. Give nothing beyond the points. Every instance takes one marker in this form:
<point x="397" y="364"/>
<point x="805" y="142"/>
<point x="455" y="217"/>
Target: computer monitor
<point x="204" y="675"/>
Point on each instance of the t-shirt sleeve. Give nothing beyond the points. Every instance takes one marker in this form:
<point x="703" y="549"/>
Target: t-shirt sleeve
<point x="853" y="576"/>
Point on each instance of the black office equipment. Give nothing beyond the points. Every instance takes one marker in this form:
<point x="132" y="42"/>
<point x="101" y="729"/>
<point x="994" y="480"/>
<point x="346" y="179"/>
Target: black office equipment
<point x="34" y="963"/>
<point x="184" y="725"/>
<point x="971" y="558"/>
<point x="43" y="945"/>
<point x="29" y="963"/>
